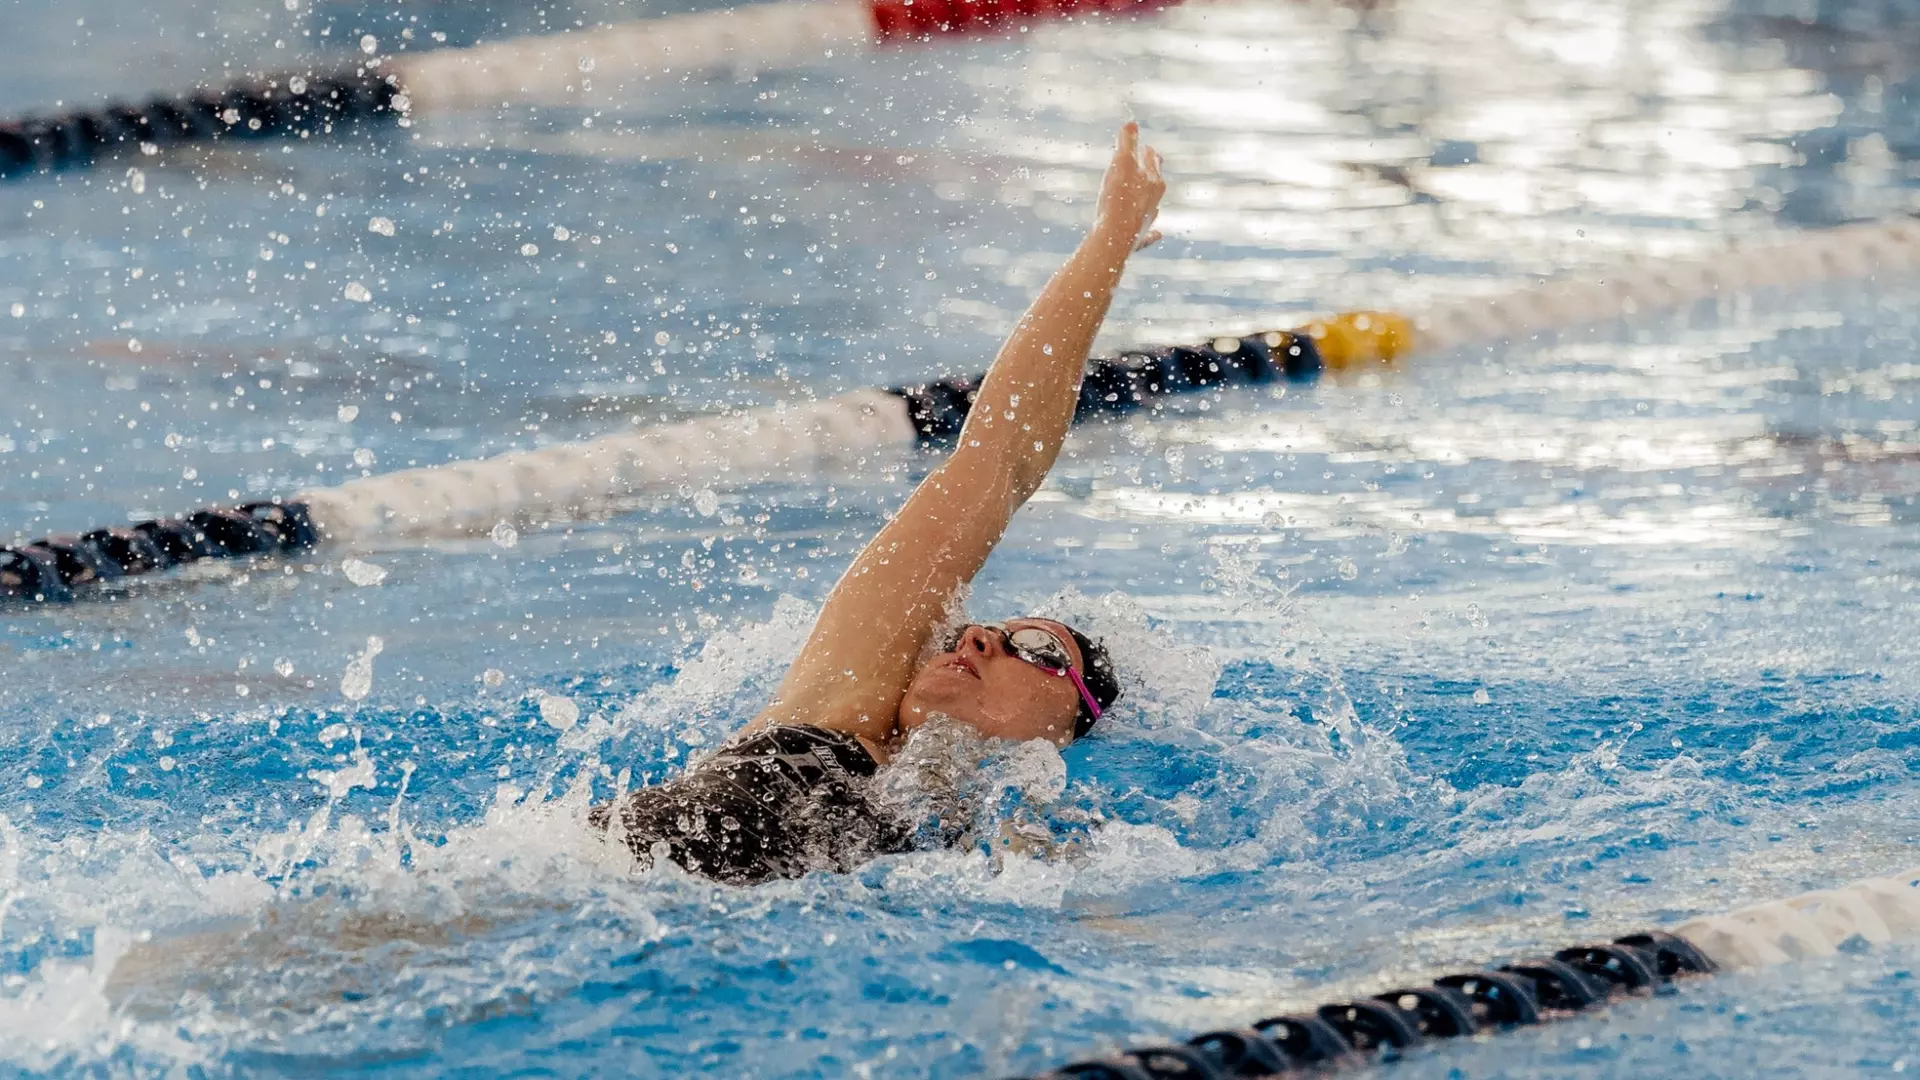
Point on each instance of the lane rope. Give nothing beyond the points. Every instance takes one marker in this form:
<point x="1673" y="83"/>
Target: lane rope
<point x="573" y="481"/>
<point x="554" y="69"/>
<point x="594" y="478"/>
<point x="1890" y="247"/>
<point x="1518" y="993"/>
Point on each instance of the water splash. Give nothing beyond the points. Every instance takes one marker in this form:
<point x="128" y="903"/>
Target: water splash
<point x="356" y="682"/>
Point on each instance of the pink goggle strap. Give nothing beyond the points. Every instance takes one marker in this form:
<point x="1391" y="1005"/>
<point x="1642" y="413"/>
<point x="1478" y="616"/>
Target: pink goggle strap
<point x="1085" y="695"/>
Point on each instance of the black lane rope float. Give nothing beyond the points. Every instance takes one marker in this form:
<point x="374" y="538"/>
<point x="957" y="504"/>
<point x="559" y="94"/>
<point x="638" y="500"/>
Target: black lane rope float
<point x="562" y="68"/>
<point x="51" y="569"/>
<point x="594" y="478"/>
<point x="298" y="105"/>
<point x="1385" y="1025"/>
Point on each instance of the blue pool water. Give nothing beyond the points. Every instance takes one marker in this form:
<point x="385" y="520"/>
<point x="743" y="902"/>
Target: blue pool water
<point x="1527" y="644"/>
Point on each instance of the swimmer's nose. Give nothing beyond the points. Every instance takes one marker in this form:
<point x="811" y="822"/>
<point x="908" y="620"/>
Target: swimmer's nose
<point x="979" y="639"/>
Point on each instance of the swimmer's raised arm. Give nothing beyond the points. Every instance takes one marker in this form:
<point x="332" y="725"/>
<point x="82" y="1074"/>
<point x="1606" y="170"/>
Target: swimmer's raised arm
<point x="860" y="656"/>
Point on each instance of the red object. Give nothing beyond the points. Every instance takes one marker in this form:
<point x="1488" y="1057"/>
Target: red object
<point x="919" y="20"/>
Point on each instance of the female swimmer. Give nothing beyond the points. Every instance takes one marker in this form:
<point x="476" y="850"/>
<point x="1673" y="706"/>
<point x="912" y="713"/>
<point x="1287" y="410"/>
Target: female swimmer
<point x="791" y="794"/>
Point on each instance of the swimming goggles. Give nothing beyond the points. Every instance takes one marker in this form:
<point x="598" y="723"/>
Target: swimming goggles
<point x="1044" y="650"/>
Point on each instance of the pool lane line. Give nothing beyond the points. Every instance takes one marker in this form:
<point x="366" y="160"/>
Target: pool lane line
<point x="583" y="480"/>
<point x="1577" y="979"/>
<point x="551" y="69"/>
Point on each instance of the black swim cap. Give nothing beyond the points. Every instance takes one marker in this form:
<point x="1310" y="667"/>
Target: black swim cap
<point x="1102" y="682"/>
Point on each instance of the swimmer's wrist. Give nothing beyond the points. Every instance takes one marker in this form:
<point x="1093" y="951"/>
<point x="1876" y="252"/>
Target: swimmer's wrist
<point x="1112" y="238"/>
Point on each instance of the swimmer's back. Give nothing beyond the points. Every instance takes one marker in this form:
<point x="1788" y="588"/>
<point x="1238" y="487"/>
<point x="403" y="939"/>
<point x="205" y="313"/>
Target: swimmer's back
<point x="781" y="803"/>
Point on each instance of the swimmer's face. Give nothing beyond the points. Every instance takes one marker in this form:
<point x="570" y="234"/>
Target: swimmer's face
<point x="981" y="684"/>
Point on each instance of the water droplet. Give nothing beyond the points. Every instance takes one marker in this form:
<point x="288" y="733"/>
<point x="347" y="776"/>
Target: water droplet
<point x="559" y="712"/>
<point x="706" y="502"/>
<point x="369" y="44"/>
<point x="346" y="413"/>
<point x="363" y="457"/>
<point x="529" y="249"/>
<point x="1481" y="697"/>
<point x="560" y="232"/>
<point x="505" y="535"/>
<point x="363" y="573"/>
<point x="296" y="84"/>
<point x="381" y="225"/>
<point x="356" y="682"/>
<point x="492" y="677"/>
<point x="18" y="310"/>
<point x="283" y="668"/>
<point x="358" y="292"/>
<point x="137" y="181"/>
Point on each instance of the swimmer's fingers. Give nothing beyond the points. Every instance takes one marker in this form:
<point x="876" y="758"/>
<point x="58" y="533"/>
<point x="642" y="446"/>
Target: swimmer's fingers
<point x="1131" y="190"/>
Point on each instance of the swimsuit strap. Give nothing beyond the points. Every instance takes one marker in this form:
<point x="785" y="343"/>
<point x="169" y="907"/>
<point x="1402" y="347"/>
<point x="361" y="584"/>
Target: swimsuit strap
<point x="810" y="754"/>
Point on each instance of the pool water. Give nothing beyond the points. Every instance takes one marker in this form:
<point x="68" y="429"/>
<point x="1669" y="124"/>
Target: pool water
<point x="1529" y="643"/>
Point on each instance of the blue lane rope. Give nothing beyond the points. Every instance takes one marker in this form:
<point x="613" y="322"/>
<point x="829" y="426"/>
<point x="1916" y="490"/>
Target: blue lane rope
<point x="1386" y="1025"/>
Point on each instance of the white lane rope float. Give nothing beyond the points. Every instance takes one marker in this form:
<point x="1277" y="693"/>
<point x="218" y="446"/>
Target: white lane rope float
<point x="557" y="69"/>
<point x="583" y="480"/>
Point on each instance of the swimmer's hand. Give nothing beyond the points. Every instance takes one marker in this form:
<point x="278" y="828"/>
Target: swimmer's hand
<point x="1130" y="193"/>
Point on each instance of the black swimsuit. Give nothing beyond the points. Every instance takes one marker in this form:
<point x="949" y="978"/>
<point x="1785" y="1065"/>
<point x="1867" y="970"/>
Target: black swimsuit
<point x="780" y="804"/>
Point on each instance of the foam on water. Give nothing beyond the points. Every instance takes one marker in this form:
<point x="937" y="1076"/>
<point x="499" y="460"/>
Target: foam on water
<point x="220" y="947"/>
<point x="281" y="941"/>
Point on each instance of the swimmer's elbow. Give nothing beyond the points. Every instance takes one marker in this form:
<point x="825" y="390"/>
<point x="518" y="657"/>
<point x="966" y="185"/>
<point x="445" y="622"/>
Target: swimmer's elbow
<point x="988" y="473"/>
<point x="1027" y="473"/>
